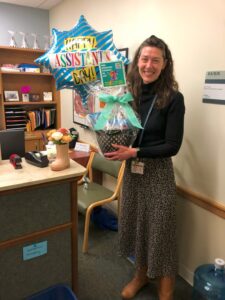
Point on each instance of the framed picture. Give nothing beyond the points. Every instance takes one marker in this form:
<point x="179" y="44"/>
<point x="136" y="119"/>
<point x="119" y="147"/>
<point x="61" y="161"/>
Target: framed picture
<point x="34" y="97"/>
<point x="124" y="52"/>
<point x="25" y="97"/>
<point x="47" y="96"/>
<point x="11" y="95"/>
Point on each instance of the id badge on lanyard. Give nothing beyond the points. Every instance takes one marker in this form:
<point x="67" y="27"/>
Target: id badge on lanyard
<point x="137" y="167"/>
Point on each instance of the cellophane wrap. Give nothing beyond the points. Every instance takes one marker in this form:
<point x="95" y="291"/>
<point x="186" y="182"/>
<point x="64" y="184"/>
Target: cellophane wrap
<point x="117" y="123"/>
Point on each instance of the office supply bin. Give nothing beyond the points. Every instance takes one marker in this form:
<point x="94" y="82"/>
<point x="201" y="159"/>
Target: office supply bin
<point x="57" y="292"/>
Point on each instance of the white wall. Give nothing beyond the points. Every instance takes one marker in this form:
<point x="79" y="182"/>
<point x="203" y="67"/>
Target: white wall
<point x="201" y="237"/>
<point x="26" y="19"/>
<point x="195" y="33"/>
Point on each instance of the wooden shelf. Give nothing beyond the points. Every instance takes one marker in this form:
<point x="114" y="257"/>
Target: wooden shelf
<point x="17" y="49"/>
<point x="10" y="103"/>
<point x="38" y="82"/>
<point x="25" y="73"/>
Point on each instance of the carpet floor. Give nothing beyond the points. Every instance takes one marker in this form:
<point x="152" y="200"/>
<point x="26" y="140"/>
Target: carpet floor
<point x="103" y="273"/>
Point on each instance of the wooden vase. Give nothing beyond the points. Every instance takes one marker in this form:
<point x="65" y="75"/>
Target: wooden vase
<point x="62" y="160"/>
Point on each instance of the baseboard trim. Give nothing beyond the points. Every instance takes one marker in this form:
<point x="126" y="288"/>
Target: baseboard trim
<point x="186" y="274"/>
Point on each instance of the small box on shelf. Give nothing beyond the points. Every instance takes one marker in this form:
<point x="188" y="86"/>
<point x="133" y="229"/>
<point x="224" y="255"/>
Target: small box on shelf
<point x="34" y="97"/>
<point x="25" y="97"/>
<point x="47" y="96"/>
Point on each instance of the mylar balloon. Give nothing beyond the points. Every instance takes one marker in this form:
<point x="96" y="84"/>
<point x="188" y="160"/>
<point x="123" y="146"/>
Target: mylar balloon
<point x="74" y="56"/>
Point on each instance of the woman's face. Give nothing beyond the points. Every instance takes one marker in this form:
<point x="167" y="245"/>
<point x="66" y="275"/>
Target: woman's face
<point x="151" y="63"/>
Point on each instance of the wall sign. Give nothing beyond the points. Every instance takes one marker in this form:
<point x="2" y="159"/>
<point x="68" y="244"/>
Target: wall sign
<point x="214" y="87"/>
<point x="112" y="74"/>
<point x="35" y="250"/>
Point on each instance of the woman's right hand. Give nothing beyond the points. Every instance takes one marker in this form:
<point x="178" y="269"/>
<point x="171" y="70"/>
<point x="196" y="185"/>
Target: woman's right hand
<point x="122" y="153"/>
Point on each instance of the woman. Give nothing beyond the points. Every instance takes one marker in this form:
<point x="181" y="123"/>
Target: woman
<point x="147" y="221"/>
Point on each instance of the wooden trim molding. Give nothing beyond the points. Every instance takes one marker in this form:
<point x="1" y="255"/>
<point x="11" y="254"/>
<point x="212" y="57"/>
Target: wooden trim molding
<point x="209" y="204"/>
<point x="35" y="235"/>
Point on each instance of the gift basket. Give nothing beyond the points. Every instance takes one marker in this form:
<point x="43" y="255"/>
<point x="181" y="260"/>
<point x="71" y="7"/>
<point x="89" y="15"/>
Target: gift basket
<point x="105" y="139"/>
<point x="116" y="123"/>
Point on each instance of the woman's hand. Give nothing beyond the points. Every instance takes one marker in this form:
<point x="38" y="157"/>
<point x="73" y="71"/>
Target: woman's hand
<point x="122" y="153"/>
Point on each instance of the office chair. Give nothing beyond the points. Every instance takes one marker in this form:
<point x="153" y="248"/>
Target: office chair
<point x="92" y="194"/>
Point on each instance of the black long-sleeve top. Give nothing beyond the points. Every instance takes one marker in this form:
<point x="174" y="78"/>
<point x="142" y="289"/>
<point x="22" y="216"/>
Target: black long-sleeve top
<point x="163" y="132"/>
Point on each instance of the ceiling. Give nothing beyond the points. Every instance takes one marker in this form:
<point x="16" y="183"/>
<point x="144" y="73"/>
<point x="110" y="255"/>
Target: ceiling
<point x="42" y="4"/>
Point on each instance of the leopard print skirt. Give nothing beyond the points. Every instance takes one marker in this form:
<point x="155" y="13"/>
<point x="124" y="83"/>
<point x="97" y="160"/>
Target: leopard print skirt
<point x="147" y="223"/>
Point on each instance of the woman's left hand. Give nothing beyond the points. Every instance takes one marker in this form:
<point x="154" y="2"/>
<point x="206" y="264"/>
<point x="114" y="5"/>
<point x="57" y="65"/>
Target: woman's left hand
<point x="122" y="153"/>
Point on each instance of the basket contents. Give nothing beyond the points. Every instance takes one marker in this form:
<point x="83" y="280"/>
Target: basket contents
<point x="116" y="123"/>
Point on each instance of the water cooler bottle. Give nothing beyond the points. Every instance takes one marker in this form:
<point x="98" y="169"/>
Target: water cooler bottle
<point x="209" y="281"/>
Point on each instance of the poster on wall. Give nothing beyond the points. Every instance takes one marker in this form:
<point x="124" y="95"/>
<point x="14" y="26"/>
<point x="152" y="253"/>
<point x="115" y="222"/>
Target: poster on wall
<point x="214" y="87"/>
<point x="80" y="111"/>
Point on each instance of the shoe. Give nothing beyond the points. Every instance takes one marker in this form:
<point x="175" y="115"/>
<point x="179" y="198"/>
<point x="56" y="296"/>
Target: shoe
<point x="166" y="287"/>
<point x="134" y="286"/>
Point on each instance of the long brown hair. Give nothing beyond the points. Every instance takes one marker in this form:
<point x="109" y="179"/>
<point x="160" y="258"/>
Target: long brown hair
<point x="165" y="85"/>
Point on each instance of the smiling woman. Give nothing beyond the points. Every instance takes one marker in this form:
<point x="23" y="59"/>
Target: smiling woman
<point x="147" y="215"/>
<point x="151" y="63"/>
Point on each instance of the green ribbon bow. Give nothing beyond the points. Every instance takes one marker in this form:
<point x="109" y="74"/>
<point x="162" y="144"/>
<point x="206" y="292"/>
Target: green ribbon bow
<point x="110" y="101"/>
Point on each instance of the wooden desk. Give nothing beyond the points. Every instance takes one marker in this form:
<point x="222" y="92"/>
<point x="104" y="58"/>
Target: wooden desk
<point x="80" y="157"/>
<point x="38" y="205"/>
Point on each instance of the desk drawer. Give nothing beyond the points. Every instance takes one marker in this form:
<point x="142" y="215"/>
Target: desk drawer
<point x="34" y="209"/>
<point x="21" y="278"/>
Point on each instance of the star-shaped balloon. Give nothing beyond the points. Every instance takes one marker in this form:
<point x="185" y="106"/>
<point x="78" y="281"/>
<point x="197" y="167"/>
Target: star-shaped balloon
<point x="74" y="56"/>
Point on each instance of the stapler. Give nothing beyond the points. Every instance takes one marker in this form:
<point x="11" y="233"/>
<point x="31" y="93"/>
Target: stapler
<point x="15" y="160"/>
<point x="37" y="159"/>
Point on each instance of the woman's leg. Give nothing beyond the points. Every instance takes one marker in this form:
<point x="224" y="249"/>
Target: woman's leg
<point x="166" y="287"/>
<point x="139" y="280"/>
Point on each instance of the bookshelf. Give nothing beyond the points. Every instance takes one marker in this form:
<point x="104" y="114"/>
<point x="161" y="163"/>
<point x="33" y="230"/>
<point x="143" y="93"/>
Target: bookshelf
<point x="17" y="114"/>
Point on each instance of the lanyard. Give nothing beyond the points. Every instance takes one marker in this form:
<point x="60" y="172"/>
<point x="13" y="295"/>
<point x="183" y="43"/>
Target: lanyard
<point x="146" y="120"/>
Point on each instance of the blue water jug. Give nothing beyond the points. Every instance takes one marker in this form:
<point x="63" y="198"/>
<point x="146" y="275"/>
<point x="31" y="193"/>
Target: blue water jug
<point x="209" y="281"/>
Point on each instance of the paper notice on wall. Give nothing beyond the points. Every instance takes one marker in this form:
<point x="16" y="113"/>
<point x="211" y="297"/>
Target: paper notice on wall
<point x="112" y="74"/>
<point x="214" y="87"/>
